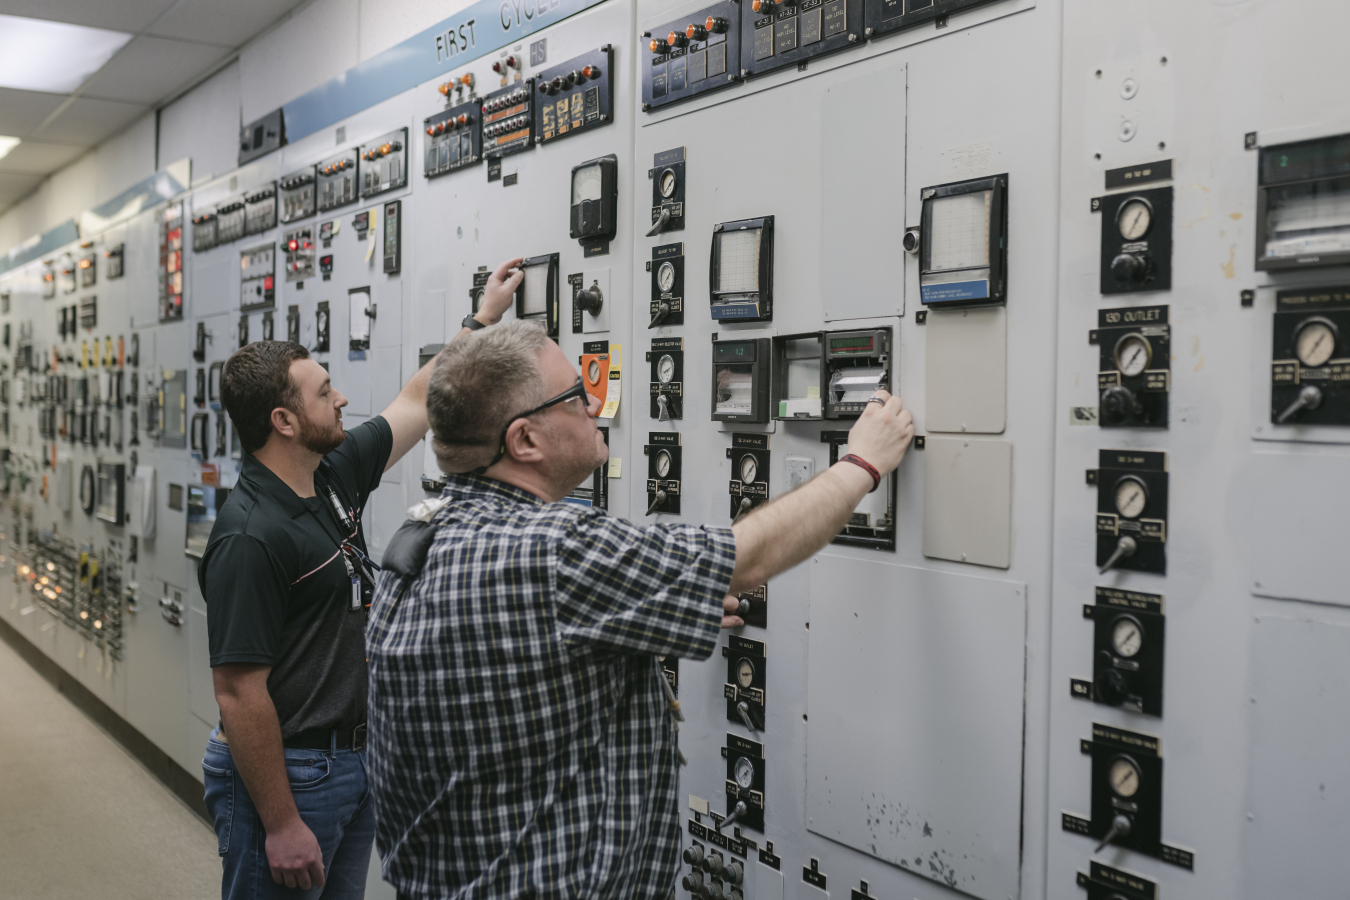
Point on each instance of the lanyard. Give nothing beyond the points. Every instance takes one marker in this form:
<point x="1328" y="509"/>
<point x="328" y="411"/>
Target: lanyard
<point x="345" y="526"/>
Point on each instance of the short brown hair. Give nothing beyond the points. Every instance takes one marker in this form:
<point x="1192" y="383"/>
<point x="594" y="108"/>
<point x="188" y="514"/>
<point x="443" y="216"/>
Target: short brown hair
<point x="256" y="380"/>
<point x="478" y="384"/>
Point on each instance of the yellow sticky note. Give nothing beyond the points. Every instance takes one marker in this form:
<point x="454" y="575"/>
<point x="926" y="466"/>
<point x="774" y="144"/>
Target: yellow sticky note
<point x="813" y="393"/>
<point x="611" y="407"/>
<point x="370" y="236"/>
<point x="615" y="467"/>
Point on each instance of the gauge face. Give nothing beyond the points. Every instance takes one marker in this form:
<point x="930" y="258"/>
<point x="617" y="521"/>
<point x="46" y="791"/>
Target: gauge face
<point x="662" y="464"/>
<point x="593" y="371"/>
<point x="1124" y="777"/>
<point x="1131" y="497"/>
<point x="745" y="672"/>
<point x="1315" y="342"/>
<point x="668" y="183"/>
<point x="586" y="184"/>
<point x="1133" y="354"/>
<point x="1134" y="219"/>
<point x="1127" y="636"/>
<point x="749" y="469"/>
<point x="745" y="773"/>
<point x="665" y="277"/>
<point x="665" y="368"/>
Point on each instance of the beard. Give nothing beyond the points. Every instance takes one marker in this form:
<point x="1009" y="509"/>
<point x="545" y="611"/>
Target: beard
<point x="578" y="465"/>
<point x="320" y="440"/>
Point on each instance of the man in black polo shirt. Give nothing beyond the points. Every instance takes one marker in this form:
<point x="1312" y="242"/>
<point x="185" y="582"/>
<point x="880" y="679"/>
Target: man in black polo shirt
<point x="287" y="584"/>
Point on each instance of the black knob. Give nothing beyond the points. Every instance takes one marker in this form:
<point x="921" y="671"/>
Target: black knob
<point x="591" y="299"/>
<point x="1130" y="268"/>
<point x="1111" y="686"/>
<point x="716" y="24"/>
<point x="692" y="882"/>
<point x="693" y="855"/>
<point x="734" y="874"/>
<point x="1117" y="404"/>
<point x="713" y="866"/>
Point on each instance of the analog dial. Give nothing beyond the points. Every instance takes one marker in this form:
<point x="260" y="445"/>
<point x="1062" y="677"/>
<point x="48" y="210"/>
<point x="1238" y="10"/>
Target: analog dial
<point x="668" y="183"/>
<point x="1124" y="777"/>
<point x="1134" y="219"/>
<point x="1315" y="342"/>
<point x="477" y="299"/>
<point x="665" y="368"/>
<point x="1133" y="354"/>
<point x="1131" y="497"/>
<point x="586" y="184"/>
<point x="745" y="672"/>
<point x="662" y="464"/>
<point x="1127" y="636"/>
<point x="665" y="277"/>
<point x="749" y="469"/>
<point x="745" y="773"/>
<point x="593" y="371"/>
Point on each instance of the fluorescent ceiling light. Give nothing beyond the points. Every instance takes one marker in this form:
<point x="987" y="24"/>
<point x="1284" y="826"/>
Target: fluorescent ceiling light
<point x="7" y="144"/>
<point x="37" y="55"/>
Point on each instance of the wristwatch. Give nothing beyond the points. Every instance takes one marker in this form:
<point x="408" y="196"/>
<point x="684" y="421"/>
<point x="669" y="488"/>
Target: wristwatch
<point x="471" y="323"/>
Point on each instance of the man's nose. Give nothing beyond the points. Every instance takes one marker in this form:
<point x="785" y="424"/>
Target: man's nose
<point x="341" y="400"/>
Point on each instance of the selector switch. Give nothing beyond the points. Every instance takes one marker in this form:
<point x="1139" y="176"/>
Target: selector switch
<point x="1127" y="651"/>
<point x="1136" y="242"/>
<point x="1131" y="510"/>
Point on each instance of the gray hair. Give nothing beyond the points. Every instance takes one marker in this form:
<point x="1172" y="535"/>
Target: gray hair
<point x="480" y="382"/>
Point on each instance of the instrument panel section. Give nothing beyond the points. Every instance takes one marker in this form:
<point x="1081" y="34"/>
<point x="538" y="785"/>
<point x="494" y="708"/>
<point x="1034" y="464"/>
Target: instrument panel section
<point x="691" y="56"/>
<point x="1127" y="651"/>
<point x="297" y="194"/>
<point x="575" y="95"/>
<point x="1131" y="510"/>
<point x="454" y="139"/>
<point x="749" y="485"/>
<point x="1137" y="239"/>
<point x="663" y="472"/>
<point x="1301" y="188"/>
<point x="1134" y="375"/>
<point x="780" y="33"/>
<point x="337" y="181"/>
<point x="1310" y="365"/>
<point x="667" y="378"/>
<point x="887" y="16"/>
<point x="384" y="163"/>
<point x="508" y="119"/>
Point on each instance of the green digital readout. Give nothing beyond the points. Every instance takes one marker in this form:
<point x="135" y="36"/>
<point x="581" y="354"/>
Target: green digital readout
<point x="851" y="344"/>
<point x="733" y="351"/>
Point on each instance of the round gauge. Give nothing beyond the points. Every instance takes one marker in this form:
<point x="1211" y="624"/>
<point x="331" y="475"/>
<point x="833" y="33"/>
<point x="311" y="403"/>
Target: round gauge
<point x="1315" y="341"/>
<point x="665" y="368"/>
<point x="1131" y="497"/>
<point x="1134" y="219"/>
<point x="665" y="277"/>
<point x="749" y="468"/>
<point x="477" y="299"/>
<point x="662" y="464"/>
<point x="745" y="773"/>
<point x="1133" y="354"/>
<point x="1127" y="636"/>
<point x="1124" y="777"/>
<point x="593" y="372"/>
<point x="667" y="184"/>
<point x="745" y="672"/>
<point x="586" y="184"/>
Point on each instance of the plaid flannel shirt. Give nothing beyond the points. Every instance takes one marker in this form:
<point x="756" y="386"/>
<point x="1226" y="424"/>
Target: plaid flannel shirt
<point x="520" y="744"/>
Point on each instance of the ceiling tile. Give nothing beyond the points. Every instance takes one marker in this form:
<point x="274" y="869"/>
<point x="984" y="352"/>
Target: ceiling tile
<point x="149" y="69"/>
<point x="214" y="22"/>
<point x="88" y="121"/>
<point x="38" y="158"/>
<point x="22" y="111"/>
<point x="119" y="15"/>
<point x="15" y="187"/>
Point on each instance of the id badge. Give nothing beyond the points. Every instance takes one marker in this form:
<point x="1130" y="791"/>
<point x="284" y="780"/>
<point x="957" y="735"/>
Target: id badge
<point x="356" y="593"/>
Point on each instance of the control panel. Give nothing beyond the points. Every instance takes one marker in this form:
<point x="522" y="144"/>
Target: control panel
<point x="1310" y="365"/>
<point x="749" y="486"/>
<point x="740" y="380"/>
<point x="667" y="378"/>
<point x="1137" y="232"/>
<point x="663" y="472"/>
<point x="1134" y="375"/>
<point x="667" y="290"/>
<point x="384" y="163"/>
<point x="887" y="16"/>
<point x="574" y="95"/>
<point x="691" y="56"/>
<point x="299" y="248"/>
<point x="257" y="277"/>
<point x="454" y="139"/>
<point x="963" y="247"/>
<point x="782" y="33"/>
<point x="1127" y="651"/>
<point x="1131" y="510"/>
<point x="260" y="209"/>
<point x="336" y="181"/>
<point x="508" y="119"/>
<point x="297" y="194"/>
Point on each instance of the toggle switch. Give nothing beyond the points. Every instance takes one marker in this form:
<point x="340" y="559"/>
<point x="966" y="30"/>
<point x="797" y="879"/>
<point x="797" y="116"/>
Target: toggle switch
<point x="737" y="811"/>
<point x="658" y="502"/>
<point x="1125" y="547"/>
<point x="662" y="310"/>
<point x="1120" y="827"/>
<point x="1309" y="397"/>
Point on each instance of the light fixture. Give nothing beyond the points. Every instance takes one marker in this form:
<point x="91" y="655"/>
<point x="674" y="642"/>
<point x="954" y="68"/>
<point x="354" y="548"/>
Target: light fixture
<point x="7" y="144"/>
<point x="37" y="55"/>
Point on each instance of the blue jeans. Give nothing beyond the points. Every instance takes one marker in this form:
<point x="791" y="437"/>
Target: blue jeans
<point x="333" y="797"/>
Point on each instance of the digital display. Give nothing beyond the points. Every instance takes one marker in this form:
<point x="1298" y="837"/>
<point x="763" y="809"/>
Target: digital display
<point x="1322" y="158"/>
<point x="732" y="352"/>
<point x="852" y="344"/>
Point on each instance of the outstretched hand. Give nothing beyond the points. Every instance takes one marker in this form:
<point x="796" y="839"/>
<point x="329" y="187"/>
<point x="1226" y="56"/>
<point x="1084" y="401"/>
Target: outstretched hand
<point x="500" y="291"/>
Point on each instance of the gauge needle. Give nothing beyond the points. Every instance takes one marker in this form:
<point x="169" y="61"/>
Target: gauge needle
<point x="1320" y="338"/>
<point x="1131" y="356"/>
<point x="1134" y="218"/>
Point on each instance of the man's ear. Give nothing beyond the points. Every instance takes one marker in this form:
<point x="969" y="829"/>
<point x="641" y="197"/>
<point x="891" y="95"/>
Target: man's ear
<point x="522" y="442"/>
<point x="285" y="422"/>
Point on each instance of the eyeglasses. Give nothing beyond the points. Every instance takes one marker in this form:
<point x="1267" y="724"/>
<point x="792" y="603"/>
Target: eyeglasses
<point x="575" y="392"/>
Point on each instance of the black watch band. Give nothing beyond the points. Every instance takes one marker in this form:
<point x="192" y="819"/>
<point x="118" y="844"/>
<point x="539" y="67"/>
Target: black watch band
<point x="471" y="323"/>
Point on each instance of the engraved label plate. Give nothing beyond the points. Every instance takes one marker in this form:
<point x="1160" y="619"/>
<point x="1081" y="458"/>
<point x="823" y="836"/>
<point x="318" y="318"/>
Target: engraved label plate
<point x="717" y="59"/>
<point x="698" y="66"/>
<point x="810" y="27"/>
<point x="677" y="82"/>
<point x="836" y="17"/>
<point x="763" y="42"/>
<point x="785" y="35"/>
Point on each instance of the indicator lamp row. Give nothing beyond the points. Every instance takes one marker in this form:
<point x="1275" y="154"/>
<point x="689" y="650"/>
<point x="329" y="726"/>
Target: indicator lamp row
<point x="692" y="32"/>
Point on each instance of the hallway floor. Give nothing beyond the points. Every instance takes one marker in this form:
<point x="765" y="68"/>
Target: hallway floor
<point x="79" y="817"/>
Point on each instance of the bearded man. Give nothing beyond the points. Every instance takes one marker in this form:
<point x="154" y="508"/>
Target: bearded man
<point x="287" y="585"/>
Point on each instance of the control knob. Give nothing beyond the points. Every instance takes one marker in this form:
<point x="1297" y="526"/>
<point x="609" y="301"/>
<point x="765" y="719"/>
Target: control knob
<point x="713" y="891"/>
<point x="1120" y="827"/>
<point x="591" y="299"/>
<point x="693" y="855"/>
<point x="1131" y="268"/>
<point x="696" y="32"/>
<point x="464" y="119"/>
<point x="676" y="39"/>
<point x="712" y="864"/>
<point x="764" y="7"/>
<point x="735" y="872"/>
<point x="737" y="811"/>
<point x="558" y="84"/>
<point x="590" y="72"/>
<point x="659" y="46"/>
<point x="1118" y="403"/>
<point x="716" y="24"/>
<point x="1125" y="548"/>
<point x="1110" y="684"/>
<point x="693" y="882"/>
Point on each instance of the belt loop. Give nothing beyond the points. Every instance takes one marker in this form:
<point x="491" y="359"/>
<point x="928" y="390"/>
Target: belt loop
<point x="333" y="742"/>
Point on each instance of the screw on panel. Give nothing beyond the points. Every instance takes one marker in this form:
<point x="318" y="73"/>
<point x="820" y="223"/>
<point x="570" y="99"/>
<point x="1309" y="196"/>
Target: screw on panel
<point x="941" y="22"/>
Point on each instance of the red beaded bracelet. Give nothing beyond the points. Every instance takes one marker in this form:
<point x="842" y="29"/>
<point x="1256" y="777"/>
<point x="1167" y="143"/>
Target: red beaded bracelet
<point x="866" y="467"/>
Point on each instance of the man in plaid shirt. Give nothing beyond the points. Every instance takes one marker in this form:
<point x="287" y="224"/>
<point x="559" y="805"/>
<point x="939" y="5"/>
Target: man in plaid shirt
<point x="520" y="745"/>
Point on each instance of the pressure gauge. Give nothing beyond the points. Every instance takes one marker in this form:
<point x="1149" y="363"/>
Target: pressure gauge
<point x="665" y="368"/>
<point x="1127" y="636"/>
<point x="1131" y="497"/>
<point x="1315" y="342"/>
<point x="667" y="183"/>
<point x="745" y="773"/>
<point x="1133" y="354"/>
<point x="593" y="371"/>
<point x="1124" y="777"/>
<point x="662" y="464"/>
<point x="745" y="672"/>
<point x="1134" y="219"/>
<point x="749" y="469"/>
<point x="665" y="277"/>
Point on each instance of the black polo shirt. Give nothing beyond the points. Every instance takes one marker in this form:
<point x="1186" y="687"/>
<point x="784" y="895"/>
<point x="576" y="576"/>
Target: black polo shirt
<point x="278" y="592"/>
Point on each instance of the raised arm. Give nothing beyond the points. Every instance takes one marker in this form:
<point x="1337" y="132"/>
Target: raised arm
<point x="778" y="535"/>
<point x="407" y="415"/>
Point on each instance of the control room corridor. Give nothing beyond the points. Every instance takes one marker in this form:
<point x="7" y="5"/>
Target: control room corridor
<point x="79" y="817"/>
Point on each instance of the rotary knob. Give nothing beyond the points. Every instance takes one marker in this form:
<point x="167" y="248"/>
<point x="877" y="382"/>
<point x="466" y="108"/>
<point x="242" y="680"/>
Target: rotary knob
<point x="1111" y="686"/>
<point x="1130" y="268"/>
<point x="1117" y="404"/>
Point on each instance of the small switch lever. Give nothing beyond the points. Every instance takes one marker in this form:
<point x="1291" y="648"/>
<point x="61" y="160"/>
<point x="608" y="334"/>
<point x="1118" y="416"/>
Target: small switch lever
<point x="1120" y="827"/>
<point x="662" y="310"/>
<point x="742" y="509"/>
<point x="1125" y="547"/>
<point x="662" y="220"/>
<point x="657" y="502"/>
<point x="1310" y="397"/>
<point x="736" y="812"/>
<point x="743" y="710"/>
